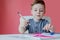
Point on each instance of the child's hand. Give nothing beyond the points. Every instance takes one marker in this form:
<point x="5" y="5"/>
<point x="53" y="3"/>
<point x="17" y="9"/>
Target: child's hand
<point x="23" y="22"/>
<point x="48" y="27"/>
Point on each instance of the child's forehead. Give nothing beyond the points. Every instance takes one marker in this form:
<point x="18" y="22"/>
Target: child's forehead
<point x="38" y="6"/>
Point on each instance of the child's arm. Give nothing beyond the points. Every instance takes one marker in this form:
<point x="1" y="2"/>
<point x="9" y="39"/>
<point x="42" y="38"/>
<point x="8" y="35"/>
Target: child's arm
<point x="23" y="24"/>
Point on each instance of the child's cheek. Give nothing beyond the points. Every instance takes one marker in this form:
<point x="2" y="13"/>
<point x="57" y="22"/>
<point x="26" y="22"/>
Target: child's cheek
<point x="33" y="13"/>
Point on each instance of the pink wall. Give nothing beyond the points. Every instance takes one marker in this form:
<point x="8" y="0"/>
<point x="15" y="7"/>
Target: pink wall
<point x="9" y="20"/>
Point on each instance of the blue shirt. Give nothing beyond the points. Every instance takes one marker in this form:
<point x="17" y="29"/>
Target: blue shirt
<point x="36" y="27"/>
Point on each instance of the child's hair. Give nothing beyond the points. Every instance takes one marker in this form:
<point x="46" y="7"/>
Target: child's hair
<point x="38" y="2"/>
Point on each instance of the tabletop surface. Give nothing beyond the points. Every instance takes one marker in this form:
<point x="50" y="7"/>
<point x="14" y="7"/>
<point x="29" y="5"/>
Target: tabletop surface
<point x="27" y="36"/>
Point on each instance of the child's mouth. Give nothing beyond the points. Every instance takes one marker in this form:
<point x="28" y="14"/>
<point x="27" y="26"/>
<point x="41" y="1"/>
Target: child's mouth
<point x="38" y="15"/>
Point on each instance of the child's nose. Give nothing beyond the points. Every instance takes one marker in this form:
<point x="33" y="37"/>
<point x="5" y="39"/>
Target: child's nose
<point x="38" y="11"/>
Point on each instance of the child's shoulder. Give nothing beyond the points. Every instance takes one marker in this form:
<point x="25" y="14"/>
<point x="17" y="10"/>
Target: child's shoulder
<point x="40" y="19"/>
<point x="45" y="21"/>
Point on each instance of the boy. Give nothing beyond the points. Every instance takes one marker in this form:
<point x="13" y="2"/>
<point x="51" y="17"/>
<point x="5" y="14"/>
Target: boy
<point x="37" y="24"/>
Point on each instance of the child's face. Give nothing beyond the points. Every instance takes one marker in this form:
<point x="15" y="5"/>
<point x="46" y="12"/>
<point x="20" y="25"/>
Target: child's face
<point x="38" y="11"/>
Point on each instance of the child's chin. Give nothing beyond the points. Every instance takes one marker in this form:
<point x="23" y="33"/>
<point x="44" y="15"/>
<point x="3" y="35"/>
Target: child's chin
<point x="38" y="18"/>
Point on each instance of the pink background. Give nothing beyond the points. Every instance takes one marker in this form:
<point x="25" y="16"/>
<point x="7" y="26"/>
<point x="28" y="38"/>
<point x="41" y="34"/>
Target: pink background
<point x="9" y="19"/>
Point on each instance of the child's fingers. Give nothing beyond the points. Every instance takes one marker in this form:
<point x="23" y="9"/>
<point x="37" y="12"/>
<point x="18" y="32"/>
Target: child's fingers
<point x="19" y="14"/>
<point x="46" y="27"/>
<point x="51" y="28"/>
<point x="49" y="25"/>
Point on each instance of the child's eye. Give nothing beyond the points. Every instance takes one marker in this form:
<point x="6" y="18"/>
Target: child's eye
<point x="35" y="10"/>
<point x="41" y="11"/>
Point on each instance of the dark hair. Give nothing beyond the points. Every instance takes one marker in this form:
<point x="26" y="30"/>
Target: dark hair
<point x="38" y="2"/>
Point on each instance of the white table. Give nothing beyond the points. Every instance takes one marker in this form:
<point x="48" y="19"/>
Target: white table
<point x="28" y="37"/>
<point x="56" y="36"/>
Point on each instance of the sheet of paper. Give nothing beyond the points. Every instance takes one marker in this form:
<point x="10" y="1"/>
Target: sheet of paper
<point x="41" y="35"/>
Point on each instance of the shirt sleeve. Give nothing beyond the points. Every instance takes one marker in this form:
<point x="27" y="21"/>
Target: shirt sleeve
<point x="45" y="22"/>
